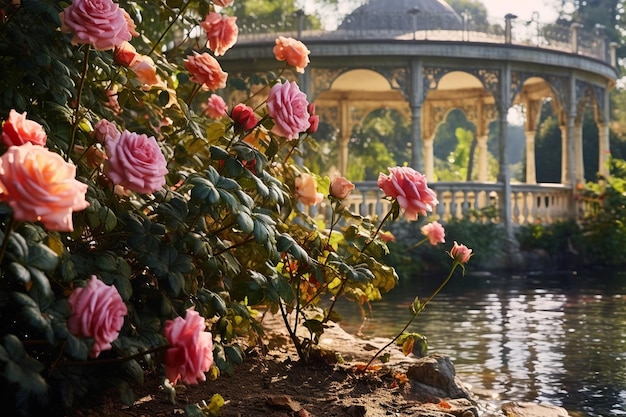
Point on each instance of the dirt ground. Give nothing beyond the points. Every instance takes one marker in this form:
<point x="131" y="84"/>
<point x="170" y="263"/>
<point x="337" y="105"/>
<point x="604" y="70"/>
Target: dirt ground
<point x="274" y="383"/>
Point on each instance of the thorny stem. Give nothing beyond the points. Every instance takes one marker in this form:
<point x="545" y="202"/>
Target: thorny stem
<point x="7" y="234"/>
<point x="380" y="225"/>
<point x="417" y="312"/>
<point x="180" y="13"/>
<point x="79" y="93"/>
<point x="116" y="360"/>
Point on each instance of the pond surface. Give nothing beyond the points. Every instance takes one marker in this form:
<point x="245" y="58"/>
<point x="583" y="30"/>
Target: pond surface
<point x="556" y="338"/>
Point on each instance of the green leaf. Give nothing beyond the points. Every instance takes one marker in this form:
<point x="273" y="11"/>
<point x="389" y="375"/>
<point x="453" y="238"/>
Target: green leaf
<point x="245" y="222"/>
<point x="42" y="257"/>
<point x="134" y="371"/>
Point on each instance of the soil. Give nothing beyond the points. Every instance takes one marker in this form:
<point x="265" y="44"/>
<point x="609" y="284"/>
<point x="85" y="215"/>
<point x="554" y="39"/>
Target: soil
<point x="273" y="382"/>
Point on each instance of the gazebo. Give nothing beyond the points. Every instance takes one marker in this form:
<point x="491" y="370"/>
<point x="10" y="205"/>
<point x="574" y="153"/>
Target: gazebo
<point x="422" y="59"/>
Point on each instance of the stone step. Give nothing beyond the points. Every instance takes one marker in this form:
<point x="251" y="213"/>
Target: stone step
<point x="524" y="409"/>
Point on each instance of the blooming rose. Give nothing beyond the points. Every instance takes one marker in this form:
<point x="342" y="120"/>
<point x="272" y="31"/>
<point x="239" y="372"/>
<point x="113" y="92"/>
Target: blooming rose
<point x="434" y="232"/>
<point x="244" y="116"/>
<point x="145" y="70"/>
<point x="340" y="187"/>
<point x="135" y="162"/>
<point x="306" y="190"/>
<point x="314" y="119"/>
<point x="40" y="186"/>
<point x="216" y="107"/>
<point x="223" y="3"/>
<point x="292" y="51"/>
<point x="98" y="312"/>
<point x="460" y="253"/>
<point x="287" y="105"/>
<point x="409" y="188"/>
<point x="221" y="32"/>
<point x="205" y="70"/>
<point x="17" y="130"/>
<point x="100" y="23"/>
<point x="104" y="131"/>
<point x="125" y="54"/>
<point x="191" y="351"/>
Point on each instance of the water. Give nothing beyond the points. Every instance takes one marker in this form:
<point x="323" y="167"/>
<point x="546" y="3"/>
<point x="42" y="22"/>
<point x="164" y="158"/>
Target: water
<point x="558" y="338"/>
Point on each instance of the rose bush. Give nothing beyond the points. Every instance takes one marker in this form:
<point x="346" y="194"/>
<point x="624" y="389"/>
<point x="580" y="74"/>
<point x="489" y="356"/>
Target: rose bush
<point x="97" y="312"/>
<point x="154" y="222"/>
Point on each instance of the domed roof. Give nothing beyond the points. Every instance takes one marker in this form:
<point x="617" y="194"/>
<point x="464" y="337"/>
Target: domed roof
<point x="403" y="15"/>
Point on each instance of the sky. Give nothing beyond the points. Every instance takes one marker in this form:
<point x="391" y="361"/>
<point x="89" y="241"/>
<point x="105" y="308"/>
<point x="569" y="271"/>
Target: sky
<point x="523" y="9"/>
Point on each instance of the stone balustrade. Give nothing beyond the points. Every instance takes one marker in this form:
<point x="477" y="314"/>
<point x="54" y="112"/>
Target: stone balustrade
<point x="477" y="201"/>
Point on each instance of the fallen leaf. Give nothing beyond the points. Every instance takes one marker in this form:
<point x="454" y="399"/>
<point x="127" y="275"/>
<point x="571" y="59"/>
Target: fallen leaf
<point x="283" y="402"/>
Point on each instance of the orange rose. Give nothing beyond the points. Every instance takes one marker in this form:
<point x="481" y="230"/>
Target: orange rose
<point x="205" y="70"/>
<point x="145" y="70"/>
<point x="221" y="32"/>
<point x="125" y="54"/>
<point x="340" y="187"/>
<point x="17" y="130"/>
<point x="292" y="51"/>
<point x="40" y="186"/>
<point x="306" y="190"/>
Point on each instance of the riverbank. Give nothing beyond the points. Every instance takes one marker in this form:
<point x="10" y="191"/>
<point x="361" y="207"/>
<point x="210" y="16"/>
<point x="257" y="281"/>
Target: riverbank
<point x="272" y="382"/>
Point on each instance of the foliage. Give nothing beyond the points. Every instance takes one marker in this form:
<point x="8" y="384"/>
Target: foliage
<point x="603" y="228"/>
<point x="225" y="235"/>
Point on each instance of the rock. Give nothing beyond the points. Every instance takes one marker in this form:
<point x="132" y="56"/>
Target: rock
<point x="521" y="409"/>
<point x="435" y="375"/>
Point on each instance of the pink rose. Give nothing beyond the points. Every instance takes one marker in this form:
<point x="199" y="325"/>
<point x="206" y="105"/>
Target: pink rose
<point x="340" y="187"/>
<point x="223" y="3"/>
<point x="244" y="116"/>
<point x="40" y="186"/>
<point x="100" y="23"/>
<point x="135" y="162"/>
<point x="105" y="131"/>
<point x="287" y="105"/>
<point x="145" y="70"/>
<point x="125" y="54"/>
<point x="216" y="108"/>
<point x="221" y="32"/>
<point x="98" y="312"/>
<point x="306" y="190"/>
<point x="17" y="130"/>
<point x="409" y="188"/>
<point x="460" y="253"/>
<point x="191" y="351"/>
<point x="293" y="52"/>
<point x="434" y="232"/>
<point x="314" y="119"/>
<point x="205" y="70"/>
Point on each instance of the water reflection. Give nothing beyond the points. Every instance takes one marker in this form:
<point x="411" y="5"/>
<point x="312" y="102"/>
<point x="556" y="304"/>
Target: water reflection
<point x="552" y="338"/>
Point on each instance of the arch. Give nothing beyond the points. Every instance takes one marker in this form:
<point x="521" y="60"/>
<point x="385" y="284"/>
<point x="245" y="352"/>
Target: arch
<point x="360" y="79"/>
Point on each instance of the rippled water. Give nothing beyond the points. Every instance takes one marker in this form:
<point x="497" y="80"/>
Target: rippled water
<point x="557" y="338"/>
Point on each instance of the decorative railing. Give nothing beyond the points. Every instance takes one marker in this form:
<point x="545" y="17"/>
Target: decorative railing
<point x="479" y="202"/>
<point x="563" y="36"/>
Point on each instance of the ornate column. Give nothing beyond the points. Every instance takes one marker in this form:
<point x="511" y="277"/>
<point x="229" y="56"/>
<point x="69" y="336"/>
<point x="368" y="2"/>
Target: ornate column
<point x="564" y="160"/>
<point x="533" y="111"/>
<point x="429" y="158"/>
<point x="531" y="170"/>
<point x="604" y="147"/>
<point x="570" y="173"/>
<point x="415" y="101"/>
<point x="483" y="160"/>
<point x="344" y="137"/>
<point x="579" y="166"/>
<point x="504" y="175"/>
